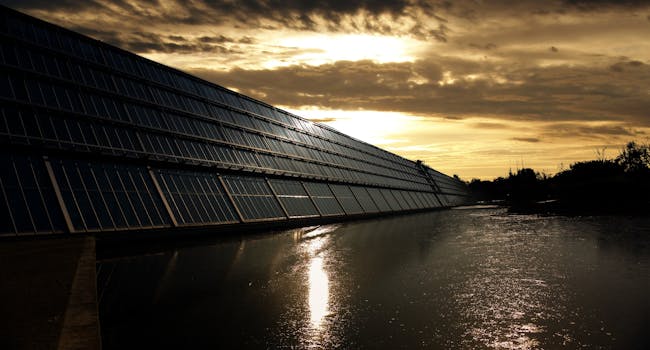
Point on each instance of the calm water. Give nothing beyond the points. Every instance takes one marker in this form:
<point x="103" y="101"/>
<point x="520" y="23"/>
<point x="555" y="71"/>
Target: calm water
<point x="455" y="279"/>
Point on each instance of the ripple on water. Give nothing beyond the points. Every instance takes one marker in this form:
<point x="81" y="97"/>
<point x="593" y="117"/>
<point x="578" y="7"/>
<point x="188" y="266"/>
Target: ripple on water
<point x="503" y="298"/>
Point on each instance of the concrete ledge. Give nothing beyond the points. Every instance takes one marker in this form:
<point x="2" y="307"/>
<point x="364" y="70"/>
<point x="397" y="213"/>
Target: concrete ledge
<point x="48" y="293"/>
<point x="81" y="322"/>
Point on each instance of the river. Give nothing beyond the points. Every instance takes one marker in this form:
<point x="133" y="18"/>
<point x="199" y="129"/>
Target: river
<point x="467" y="278"/>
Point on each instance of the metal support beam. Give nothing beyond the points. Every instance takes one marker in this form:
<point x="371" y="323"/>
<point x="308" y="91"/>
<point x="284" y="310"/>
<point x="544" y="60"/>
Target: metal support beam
<point x="232" y="200"/>
<point x="59" y="196"/>
<point x="356" y="199"/>
<point x="390" y="207"/>
<point x="162" y="197"/>
<point x="432" y="182"/>
<point x="372" y="199"/>
<point x="284" y="210"/>
<point x="336" y="198"/>
<point x="311" y="199"/>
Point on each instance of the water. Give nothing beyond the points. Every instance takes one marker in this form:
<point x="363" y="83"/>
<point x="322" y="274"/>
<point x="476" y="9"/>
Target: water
<point x="455" y="279"/>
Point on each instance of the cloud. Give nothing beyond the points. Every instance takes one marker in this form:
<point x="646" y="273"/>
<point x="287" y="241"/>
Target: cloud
<point x="590" y="5"/>
<point x="526" y="139"/>
<point x="589" y="132"/>
<point x="218" y="39"/>
<point x="150" y="42"/>
<point x="343" y="84"/>
<point x="322" y="120"/>
<point x="363" y="16"/>
<point x="490" y="125"/>
<point x="438" y="21"/>
<point x="553" y="93"/>
<point x="517" y="78"/>
<point x="48" y="5"/>
<point x="622" y="66"/>
<point x="488" y="46"/>
<point x="177" y="38"/>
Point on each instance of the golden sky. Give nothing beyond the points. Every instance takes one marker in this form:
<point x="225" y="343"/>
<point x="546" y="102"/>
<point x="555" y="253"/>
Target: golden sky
<point x="473" y="87"/>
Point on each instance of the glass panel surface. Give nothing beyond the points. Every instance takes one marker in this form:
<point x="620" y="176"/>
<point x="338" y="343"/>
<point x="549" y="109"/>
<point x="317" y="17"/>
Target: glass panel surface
<point x="253" y="197"/>
<point x="345" y="196"/>
<point x="364" y="199"/>
<point x="196" y="197"/>
<point x="27" y="202"/>
<point x="105" y="196"/>
<point x="379" y="199"/>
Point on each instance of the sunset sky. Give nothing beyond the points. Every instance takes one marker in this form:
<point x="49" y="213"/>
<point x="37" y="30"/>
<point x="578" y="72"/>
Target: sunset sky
<point x="473" y="88"/>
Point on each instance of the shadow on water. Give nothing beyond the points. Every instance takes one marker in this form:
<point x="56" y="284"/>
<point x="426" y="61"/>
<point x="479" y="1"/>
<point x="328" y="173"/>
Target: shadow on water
<point x="469" y="278"/>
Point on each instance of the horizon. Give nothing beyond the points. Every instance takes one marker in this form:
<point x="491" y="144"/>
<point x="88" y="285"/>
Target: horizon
<point x="473" y="90"/>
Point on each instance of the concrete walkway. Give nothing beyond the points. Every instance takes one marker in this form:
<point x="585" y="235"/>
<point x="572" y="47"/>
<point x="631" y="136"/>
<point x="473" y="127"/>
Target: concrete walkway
<point x="48" y="294"/>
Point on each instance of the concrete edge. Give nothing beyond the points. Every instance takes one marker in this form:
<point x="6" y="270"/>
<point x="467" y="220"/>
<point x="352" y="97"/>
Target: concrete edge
<point x="81" y="319"/>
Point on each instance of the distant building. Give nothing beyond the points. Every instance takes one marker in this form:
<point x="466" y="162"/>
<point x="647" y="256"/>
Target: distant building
<point x="96" y="139"/>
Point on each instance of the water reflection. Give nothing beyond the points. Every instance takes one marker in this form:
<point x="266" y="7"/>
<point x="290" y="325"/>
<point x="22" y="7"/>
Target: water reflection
<point x="457" y="279"/>
<point x="318" y="292"/>
<point x="504" y="299"/>
<point x="315" y="242"/>
<point x="306" y="233"/>
<point x="317" y="279"/>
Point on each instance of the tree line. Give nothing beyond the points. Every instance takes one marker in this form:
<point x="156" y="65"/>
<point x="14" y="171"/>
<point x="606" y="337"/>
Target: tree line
<point x="620" y="184"/>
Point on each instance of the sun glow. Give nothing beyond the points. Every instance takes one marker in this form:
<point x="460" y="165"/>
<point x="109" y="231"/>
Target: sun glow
<point x="375" y="127"/>
<point x="322" y="49"/>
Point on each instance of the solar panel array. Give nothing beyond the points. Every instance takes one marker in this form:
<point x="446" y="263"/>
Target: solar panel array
<point x="98" y="139"/>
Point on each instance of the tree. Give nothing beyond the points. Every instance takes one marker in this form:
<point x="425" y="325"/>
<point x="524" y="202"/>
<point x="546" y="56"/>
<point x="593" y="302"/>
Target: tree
<point x="634" y="157"/>
<point x="524" y="186"/>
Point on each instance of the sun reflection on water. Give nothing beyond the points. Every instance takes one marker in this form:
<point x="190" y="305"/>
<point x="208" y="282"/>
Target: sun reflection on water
<point x="318" y="292"/>
<point x="315" y="243"/>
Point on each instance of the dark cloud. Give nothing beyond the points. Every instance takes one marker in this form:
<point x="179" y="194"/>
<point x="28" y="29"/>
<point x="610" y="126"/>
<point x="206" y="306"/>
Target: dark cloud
<point x="555" y="93"/>
<point x="490" y="125"/>
<point x="576" y="130"/>
<point x="47" y="5"/>
<point x="622" y="66"/>
<point x="177" y="38"/>
<point x="488" y="46"/>
<point x="526" y="139"/>
<point x="374" y="16"/>
<point x="149" y="42"/>
<point x="599" y="4"/>
<point x="322" y="120"/>
<point x="216" y="39"/>
<point x="222" y="39"/>
<point x="422" y="19"/>
<point x="246" y="40"/>
<point x="439" y="34"/>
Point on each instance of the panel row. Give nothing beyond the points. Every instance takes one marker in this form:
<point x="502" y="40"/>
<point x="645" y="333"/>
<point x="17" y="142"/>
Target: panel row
<point x="40" y="195"/>
<point x="118" y="112"/>
<point x="64" y="69"/>
<point x="63" y="91"/>
<point x="89" y="50"/>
